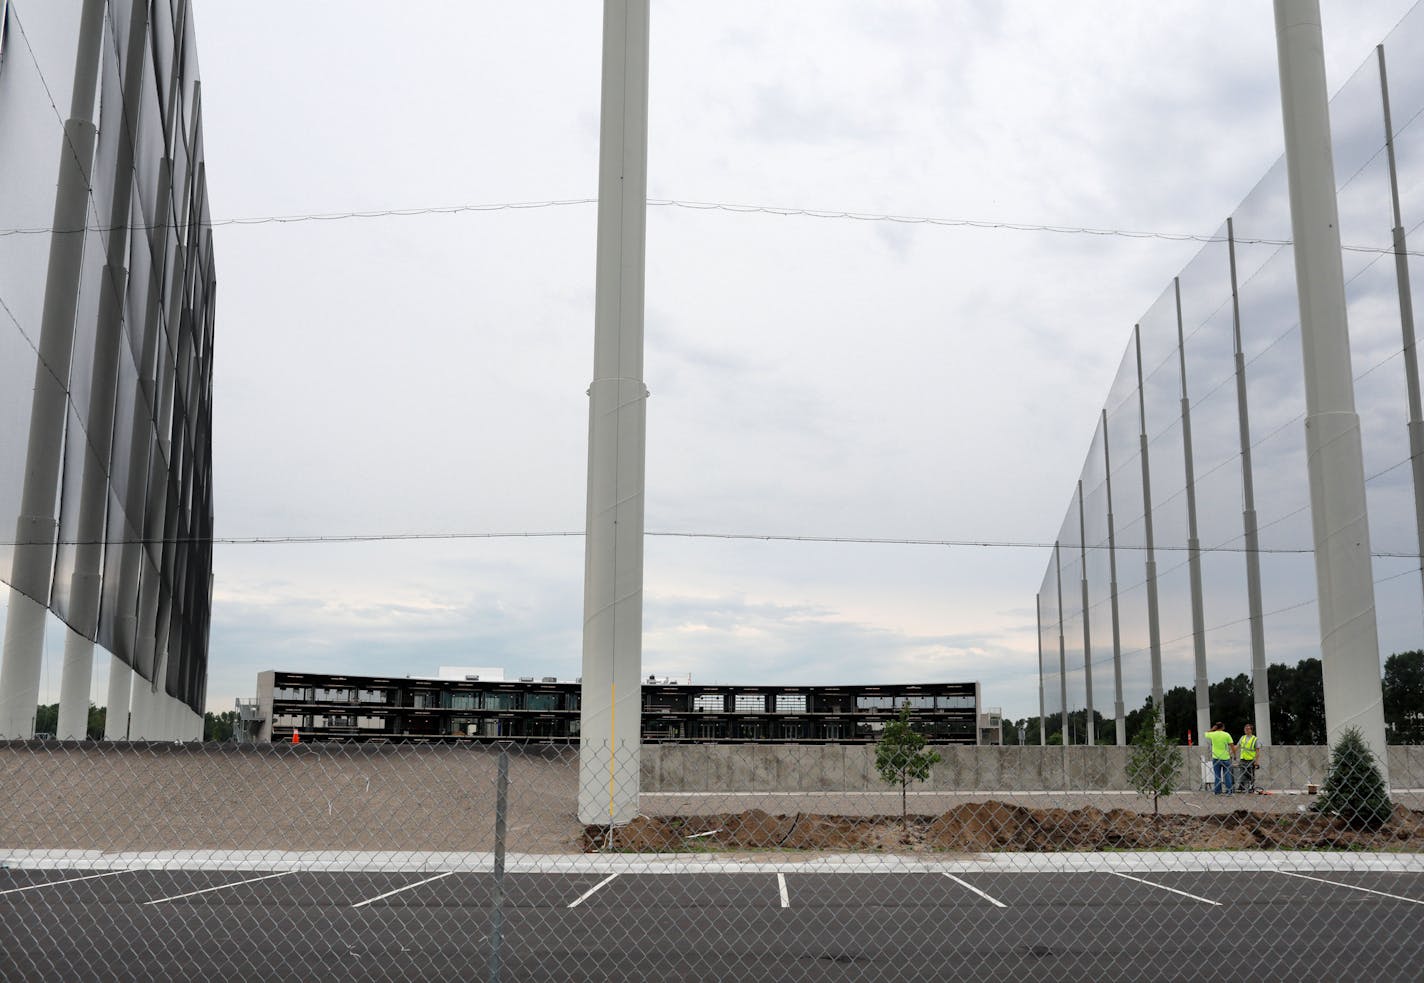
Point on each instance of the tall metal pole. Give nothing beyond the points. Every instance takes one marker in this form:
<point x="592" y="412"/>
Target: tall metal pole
<point x="1042" y="716"/>
<point x="1406" y="319"/>
<point x="32" y="566"/>
<point x="1092" y="727"/>
<point x="1154" y="624"/>
<point x="613" y="574"/>
<point x="1349" y="636"/>
<point x="1193" y="542"/>
<point x="1062" y="645"/>
<point x="1259" y="682"/>
<point x="1119" y="711"/>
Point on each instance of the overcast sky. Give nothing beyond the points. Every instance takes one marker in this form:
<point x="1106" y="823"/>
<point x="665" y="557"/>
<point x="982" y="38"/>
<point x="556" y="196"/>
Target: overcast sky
<point x="809" y="376"/>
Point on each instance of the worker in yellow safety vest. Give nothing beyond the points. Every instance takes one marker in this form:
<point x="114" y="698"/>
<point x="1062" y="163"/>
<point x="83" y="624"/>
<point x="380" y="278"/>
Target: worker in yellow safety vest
<point x="1250" y="759"/>
<point x="1221" y="747"/>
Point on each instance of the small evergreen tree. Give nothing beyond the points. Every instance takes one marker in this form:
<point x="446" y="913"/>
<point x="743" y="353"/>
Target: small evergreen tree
<point x="1156" y="762"/>
<point x="1354" y="789"/>
<point x="901" y="758"/>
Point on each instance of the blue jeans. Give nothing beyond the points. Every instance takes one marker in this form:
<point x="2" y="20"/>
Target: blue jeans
<point x="1221" y="775"/>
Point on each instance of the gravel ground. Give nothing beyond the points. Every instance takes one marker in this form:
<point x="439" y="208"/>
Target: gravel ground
<point x="124" y="797"/>
<point x="115" y="797"/>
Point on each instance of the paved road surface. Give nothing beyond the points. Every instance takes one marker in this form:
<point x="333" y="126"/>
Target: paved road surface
<point x="72" y="924"/>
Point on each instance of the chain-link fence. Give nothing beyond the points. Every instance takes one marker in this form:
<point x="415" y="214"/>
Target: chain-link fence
<point x="363" y="861"/>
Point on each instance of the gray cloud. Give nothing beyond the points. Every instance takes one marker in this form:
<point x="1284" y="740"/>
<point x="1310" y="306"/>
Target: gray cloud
<point x="808" y="377"/>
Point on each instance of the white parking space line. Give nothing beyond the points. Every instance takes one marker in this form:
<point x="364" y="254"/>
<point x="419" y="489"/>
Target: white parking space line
<point x="963" y="883"/>
<point x="379" y="897"/>
<point x="67" y="880"/>
<point x="223" y="887"/>
<point x="1352" y="887"/>
<point x="589" y="893"/>
<point x="1163" y="887"/>
<point x="781" y="885"/>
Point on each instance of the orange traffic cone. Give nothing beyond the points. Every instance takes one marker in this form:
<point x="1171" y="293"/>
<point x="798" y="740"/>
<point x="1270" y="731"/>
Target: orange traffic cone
<point x="296" y="736"/>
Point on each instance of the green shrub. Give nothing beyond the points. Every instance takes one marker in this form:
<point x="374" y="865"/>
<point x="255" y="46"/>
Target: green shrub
<point x="1354" y="789"/>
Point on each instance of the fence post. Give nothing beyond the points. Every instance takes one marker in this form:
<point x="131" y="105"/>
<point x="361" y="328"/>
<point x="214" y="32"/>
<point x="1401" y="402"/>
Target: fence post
<point x="501" y="813"/>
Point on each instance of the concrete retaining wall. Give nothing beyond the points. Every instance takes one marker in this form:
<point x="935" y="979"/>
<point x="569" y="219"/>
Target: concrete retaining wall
<point x="851" y="768"/>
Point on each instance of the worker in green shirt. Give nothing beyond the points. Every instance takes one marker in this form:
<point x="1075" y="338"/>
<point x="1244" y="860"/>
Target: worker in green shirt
<point x="1250" y="759"/>
<point x="1221" y="747"/>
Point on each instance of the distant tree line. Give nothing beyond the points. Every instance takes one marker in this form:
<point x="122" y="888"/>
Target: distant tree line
<point x="47" y="720"/>
<point x="219" y="726"/>
<point x="1297" y="707"/>
<point x="216" y="726"/>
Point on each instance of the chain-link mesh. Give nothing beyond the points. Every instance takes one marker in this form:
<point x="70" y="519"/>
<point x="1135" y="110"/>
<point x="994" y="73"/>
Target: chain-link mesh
<point x="777" y="862"/>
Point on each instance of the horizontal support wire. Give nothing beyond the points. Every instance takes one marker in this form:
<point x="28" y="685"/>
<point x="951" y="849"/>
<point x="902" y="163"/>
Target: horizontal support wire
<point x="707" y="206"/>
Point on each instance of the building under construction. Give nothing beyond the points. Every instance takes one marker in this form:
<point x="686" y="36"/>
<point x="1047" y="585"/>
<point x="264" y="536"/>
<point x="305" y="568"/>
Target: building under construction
<point x="481" y="705"/>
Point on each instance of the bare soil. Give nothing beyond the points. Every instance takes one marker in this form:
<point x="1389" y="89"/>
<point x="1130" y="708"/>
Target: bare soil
<point x="993" y="826"/>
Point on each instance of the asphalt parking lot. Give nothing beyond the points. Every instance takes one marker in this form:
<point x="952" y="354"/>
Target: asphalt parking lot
<point x="1273" y="923"/>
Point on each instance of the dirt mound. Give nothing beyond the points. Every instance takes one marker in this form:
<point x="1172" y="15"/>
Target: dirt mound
<point x="980" y="826"/>
<point x="988" y="827"/>
<point x="755" y="829"/>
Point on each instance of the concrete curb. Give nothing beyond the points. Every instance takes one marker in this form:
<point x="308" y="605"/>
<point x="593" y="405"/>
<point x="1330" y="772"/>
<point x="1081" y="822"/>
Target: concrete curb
<point x="652" y="863"/>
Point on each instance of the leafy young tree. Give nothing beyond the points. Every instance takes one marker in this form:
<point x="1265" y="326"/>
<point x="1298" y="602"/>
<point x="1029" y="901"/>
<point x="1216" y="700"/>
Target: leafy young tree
<point x="1155" y="764"/>
<point x="901" y="757"/>
<point x="1354" y="789"/>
